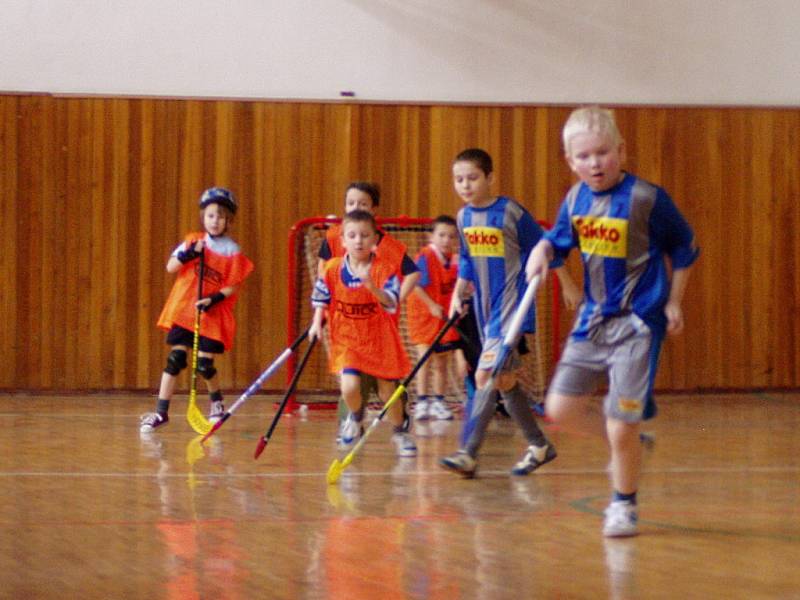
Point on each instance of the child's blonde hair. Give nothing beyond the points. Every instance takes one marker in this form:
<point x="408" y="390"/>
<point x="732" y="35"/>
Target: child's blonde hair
<point x="591" y="118"/>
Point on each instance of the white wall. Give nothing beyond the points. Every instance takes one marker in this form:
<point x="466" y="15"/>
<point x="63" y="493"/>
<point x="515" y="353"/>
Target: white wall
<point x="541" y="51"/>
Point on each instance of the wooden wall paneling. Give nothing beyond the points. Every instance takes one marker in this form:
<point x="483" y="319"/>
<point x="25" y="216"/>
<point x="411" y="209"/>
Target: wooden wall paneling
<point x="63" y="300"/>
<point x="786" y="171"/>
<point x="728" y="225"/>
<point x="67" y="127"/>
<point x="453" y="129"/>
<point x="99" y="191"/>
<point x="167" y="224"/>
<point x="252" y="345"/>
<point x="288" y="208"/>
<point x="119" y="252"/>
<point x="28" y="278"/>
<point x="758" y="250"/>
<point x="241" y="183"/>
<point x="80" y="194"/>
<point x="99" y="369"/>
<point x="783" y="175"/>
<point x="49" y="214"/>
<point x="145" y="253"/>
<point x="11" y="334"/>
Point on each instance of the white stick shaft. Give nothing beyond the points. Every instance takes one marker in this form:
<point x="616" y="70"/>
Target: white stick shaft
<point x="522" y="311"/>
<point x="261" y="379"/>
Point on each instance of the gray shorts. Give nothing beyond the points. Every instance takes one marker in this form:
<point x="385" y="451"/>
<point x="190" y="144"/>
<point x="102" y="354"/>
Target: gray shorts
<point x="491" y="348"/>
<point x="625" y="351"/>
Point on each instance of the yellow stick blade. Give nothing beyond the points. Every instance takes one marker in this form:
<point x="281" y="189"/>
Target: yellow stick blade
<point x="334" y="472"/>
<point x="197" y="420"/>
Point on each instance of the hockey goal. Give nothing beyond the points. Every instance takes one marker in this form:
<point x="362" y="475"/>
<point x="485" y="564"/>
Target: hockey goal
<point x="318" y="387"/>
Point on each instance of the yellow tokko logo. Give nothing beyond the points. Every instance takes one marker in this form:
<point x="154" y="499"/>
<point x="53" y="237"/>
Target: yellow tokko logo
<point x="602" y="236"/>
<point x="485" y="241"/>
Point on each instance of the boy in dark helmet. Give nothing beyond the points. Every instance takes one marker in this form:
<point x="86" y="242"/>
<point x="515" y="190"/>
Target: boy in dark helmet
<point x="225" y="268"/>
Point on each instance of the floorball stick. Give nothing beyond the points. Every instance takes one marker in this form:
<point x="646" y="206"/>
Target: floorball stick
<point x="195" y="417"/>
<point x="262" y="443"/>
<point x="256" y="385"/>
<point x="511" y="338"/>
<point x="337" y="467"/>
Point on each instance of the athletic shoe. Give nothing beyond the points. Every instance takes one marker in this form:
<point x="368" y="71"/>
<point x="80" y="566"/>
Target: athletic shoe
<point x="215" y="411"/>
<point x="350" y="432"/>
<point x="535" y="457"/>
<point x="150" y="421"/>
<point x="461" y="463"/>
<point x="439" y="410"/>
<point x="621" y="520"/>
<point x="422" y="410"/>
<point x="404" y="444"/>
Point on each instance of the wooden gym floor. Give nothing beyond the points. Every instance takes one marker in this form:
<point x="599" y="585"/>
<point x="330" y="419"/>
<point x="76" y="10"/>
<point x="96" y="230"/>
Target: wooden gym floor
<point x="91" y="509"/>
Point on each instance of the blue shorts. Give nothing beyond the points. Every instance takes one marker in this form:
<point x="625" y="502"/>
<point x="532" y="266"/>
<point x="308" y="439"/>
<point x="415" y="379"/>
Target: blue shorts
<point x="624" y="351"/>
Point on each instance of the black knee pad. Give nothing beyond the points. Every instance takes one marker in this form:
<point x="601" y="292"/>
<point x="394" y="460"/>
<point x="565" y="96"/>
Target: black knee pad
<point x="176" y="362"/>
<point x="205" y="367"/>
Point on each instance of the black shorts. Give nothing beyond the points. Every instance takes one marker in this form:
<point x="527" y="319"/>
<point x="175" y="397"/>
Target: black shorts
<point x="178" y="336"/>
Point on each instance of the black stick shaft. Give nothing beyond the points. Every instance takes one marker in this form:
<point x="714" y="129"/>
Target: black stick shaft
<point x="292" y="386"/>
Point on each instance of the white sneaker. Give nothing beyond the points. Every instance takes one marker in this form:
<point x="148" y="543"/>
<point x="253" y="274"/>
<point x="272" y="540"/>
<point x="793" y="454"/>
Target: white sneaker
<point x="150" y="421"/>
<point x="534" y="457"/>
<point x="404" y="444"/>
<point x="215" y="411"/>
<point x="439" y="410"/>
<point x="460" y="462"/>
<point x="422" y="410"/>
<point x="350" y="432"/>
<point x="621" y="520"/>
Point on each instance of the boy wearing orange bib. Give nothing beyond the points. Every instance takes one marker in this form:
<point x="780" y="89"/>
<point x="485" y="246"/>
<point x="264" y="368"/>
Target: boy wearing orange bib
<point x="360" y="292"/>
<point x="225" y="268"/>
<point x="427" y="310"/>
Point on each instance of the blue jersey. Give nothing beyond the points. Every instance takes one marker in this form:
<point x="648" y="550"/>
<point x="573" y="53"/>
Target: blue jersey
<point x="624" y="234"/>
<point x="495" y="243"/>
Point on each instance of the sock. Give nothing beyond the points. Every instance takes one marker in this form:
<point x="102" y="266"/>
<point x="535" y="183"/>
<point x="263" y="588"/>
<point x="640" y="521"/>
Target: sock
<point x="469" y="385"/>
<point x="438" y="398"/>
<point x="423" y="398"/>
<point x="620" y="497"/>
<point x="215" y="396"/>
<point x="518" y="407"/>
<point x="162" y="407"/>
<point x="483" y="407"/>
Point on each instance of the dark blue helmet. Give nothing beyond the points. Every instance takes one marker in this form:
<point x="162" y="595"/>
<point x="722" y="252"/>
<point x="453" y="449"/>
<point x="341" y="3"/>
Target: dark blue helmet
<point x="219" y="195"/>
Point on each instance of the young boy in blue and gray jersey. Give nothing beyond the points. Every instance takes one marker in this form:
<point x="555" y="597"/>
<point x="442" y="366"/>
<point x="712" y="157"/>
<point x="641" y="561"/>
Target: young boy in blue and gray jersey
<point x="497" y="234"/>
<point x="625" y="228"/>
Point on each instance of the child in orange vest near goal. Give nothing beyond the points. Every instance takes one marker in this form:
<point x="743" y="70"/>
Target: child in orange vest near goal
<point x="427" y="313"/>
<point x="360" y="292"/>
<point x="225" y="268"/>
<point x="366" y="196"/>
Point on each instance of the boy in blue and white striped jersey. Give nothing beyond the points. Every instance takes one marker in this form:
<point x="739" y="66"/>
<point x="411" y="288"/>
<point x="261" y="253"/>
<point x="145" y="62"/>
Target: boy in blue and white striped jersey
<point x="626" y="229"/>
<point x="497" y="234"/>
